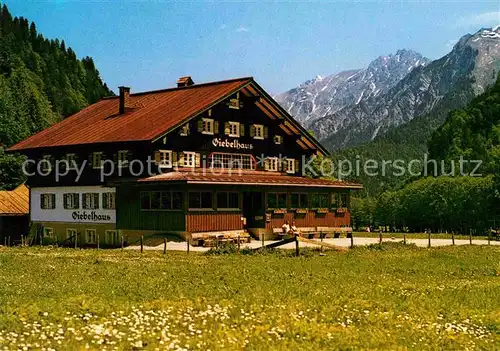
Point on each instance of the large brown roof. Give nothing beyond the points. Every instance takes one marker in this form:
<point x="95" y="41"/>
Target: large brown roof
<point x="153" y="114"/>
<point x="14" y="202"/>
<point x="259" y="178"/>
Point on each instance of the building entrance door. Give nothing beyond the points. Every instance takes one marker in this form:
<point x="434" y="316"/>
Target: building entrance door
<point x="253" y="209"/>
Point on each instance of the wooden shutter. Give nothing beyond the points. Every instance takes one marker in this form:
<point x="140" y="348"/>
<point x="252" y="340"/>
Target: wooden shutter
<point x="252" y="131"/>
<point x="76" y="200"/>
<point x="157" y="157"/>
<point x="96" y="200"/>
<point x="297" y="166"/>
<point x="266" y="164"/>
<point x="200" y="125"/>
<point x="227" y="129"/>
<point x="65" y="200"/>
<point x="53" y="198"/>
<point x="174" y="159"/>
<point x="216" y="127"/>
<point x="181" y="159"/>
<point x="266" y="132"/>
<point x="242" y="129"/>
<point x="197" y="160"/>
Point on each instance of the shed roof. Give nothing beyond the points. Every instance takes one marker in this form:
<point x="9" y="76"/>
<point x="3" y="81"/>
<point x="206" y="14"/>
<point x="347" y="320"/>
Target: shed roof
<point x="15" y="202"/>
<point x="241" y="177"/>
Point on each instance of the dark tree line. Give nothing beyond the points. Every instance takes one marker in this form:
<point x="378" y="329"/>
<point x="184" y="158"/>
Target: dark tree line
<point x="41" y="82"/>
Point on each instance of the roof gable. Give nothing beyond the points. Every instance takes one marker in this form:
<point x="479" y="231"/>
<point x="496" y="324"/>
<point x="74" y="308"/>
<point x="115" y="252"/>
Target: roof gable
<point x="152" y="115"/>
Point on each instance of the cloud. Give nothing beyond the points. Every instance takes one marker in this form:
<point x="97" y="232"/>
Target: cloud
<point x="478" y="20"/>
<point x="242" y="29"/>
<point x="222" y="27"/>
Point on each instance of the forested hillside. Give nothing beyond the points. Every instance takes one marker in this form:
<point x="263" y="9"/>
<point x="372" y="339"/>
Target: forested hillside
<point x="449" y="203"/>
<point x="41" y="82"/>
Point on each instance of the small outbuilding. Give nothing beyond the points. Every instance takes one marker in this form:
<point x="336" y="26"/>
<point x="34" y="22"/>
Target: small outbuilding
<point x="14" y="214"/>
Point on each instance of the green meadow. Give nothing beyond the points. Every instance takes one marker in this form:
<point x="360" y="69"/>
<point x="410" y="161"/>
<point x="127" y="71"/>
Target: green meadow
<point x="387" y="296"/>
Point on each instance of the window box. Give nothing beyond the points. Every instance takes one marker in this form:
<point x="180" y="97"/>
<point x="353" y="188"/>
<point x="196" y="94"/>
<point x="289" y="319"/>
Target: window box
<point x="341" y="210"/>
<point x="322" y="210"/>
<point x="279" y="211"/>
<point x="301" y="210"/>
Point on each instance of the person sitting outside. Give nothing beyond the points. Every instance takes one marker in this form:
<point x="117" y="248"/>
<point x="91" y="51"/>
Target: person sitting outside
<point x="294" y="230"/>
<point x="286" y="228"/>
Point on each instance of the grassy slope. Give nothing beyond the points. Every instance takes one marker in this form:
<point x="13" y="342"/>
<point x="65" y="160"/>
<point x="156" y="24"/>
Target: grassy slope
<point x="402" y="297"/>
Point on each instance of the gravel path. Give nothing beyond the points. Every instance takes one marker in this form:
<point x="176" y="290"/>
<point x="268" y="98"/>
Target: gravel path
<point x="345" y="242"/>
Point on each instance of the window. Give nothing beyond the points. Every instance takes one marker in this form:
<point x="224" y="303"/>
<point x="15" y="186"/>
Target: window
<point x="207" y="126"/>
<point x="90" y="201"/>
<point x="47" y="201"/>
<point x="46" y="165"/>
<point x="299" y="201"/>
<point x="290" y="165"/>
<point x="122" y="158"/>
<point x="278" y="139"/>
<point x="203" y="199"/>
<point x="228" y="200"/>
<point x="48" y="232"/>
<point x="189" y="159"/>
<point x="90" y="236"/>
<point x="71" y="201"/>
<point x="276" y="200"/>
<point x="184" y="131"/>
<point x="233" y="129"/>
<point x="71" y="159"/>
<point x="343" y="200"/>
<point x="70" y="233"/>
<point x="320" y="200"/>
<point x="161" y="200"/>
<point x="231" y="161"/>
<point x="111" y="237"/>
<point x="97" y="160"/>
<point x="258" y="131"/>
<point x="271" y="164"/>
<point x="164" y="158"/>
<point x="108" y="201"/>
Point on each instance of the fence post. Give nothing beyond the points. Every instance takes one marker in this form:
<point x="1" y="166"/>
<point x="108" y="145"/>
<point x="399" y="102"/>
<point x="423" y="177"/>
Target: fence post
<point x="453" y="238"/>
<point x="76" y="240"/>
<point x="98" y="240"/>
<point x="296" y="245"/>
<point x="5" y="241"/>
<point x="142" y="243"/>
<point x="352" y="240"/>
<point x="321" y="238"/>
<point x="404" y="238"/>
<point x="489" y="237"/>
<point x="262" y="236"/>
<point x="189" y="239"/>
<point x="122" y="243"/>
<point x="22" y="241"/>
<point x="429" y="236"/>
<point x="165" y="246"/>
<point x="238" y="243"/>
<point x="9" y="240"/>
<point x="380" y="237"/>
<point x="470" y="236"/>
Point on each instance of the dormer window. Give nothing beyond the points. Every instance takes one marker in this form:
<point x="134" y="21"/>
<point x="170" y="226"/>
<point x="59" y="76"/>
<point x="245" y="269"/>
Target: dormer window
<point x="184" y="131"/>
<point x="233" y="129"/>
<point x="207" y="126"/>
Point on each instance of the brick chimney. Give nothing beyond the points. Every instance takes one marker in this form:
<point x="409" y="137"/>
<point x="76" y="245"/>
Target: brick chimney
<point x="124" y="98"/>
<point x="184" y="82"/>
